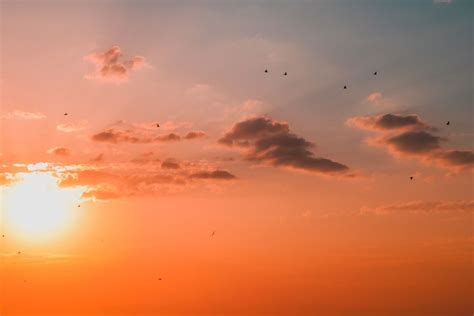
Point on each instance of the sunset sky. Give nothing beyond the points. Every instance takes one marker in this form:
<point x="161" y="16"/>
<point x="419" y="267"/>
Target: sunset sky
<point x="149" y="165"/>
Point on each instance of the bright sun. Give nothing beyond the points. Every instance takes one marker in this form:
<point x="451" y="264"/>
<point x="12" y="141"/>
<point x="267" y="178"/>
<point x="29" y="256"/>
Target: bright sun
<point x="37" y="207"/>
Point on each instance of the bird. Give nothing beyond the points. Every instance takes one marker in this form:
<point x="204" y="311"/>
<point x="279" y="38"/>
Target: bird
<point x="266" y="70"/>
<point x="79" y="205"/>
<point x="285" y="74"/>
<point x="19" y="252"/>
<point x="157" y="125"/>
<point x="447" y="123"/>
<point x="411" y="178"/>
<point x="213" y="233"/>
<point x="375" y="73"/>
<point x="65" y="114"/>
<point x="345" y="87"/>
<point x="159" y="279"/>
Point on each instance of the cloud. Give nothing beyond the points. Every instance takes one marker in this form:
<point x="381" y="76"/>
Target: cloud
<point x="170" y="164"/>
<point x="140" y="133"/>
<point x="115" y="137"/>
<point x="194" y="135"/>
<point x="414" y="142"/>
<point x="270" y="142"/>
<point x="442" y="1"/>
<point x="109" y="67"/>
<point x="387" y="122"/>
<point x="419" y="207"/>
<point x="72" y="127"/>
<point x="216" y="174"/>
<point x="22" y="115"/>
<point x="100" y="194"/>
<point x="409" y="136"/>
<point x="374" y="97"/>
<point x="98" y="158"/>
<point x="60" y="151"/>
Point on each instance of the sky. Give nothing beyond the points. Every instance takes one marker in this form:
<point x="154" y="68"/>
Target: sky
<point x="236" y="158"/>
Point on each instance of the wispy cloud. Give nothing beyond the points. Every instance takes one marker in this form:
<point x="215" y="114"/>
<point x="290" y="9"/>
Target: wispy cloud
<point x="23" y="115"/>
<point x="72" y="127"/>
<point x="110" y="67"/>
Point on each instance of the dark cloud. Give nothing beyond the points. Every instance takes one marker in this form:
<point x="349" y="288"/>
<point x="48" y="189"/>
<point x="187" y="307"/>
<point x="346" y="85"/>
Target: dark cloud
<point x="415" y="142"/>
<point x="109" y="67"/>
<point x="216" y="174"/>
<point x="117" y="136"/>
<point x="267" y="141"/>
<point x="409" y="136"/>
<point x="387" y="122"/>
<point x="170" y="164"/>
<point x="457" y="158"/>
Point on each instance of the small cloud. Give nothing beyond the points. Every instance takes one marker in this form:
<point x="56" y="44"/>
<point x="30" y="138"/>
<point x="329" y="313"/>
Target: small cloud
<point x="443" y="1"/>
<point x="98" y="158"/>
<point x="194" y="135"/>
<point x="109" y="67"/>
<point x="216" y="174"/>
<point x="418" y="207"/>
<point x="59" y="151"/>
<point x="374" y="97"/>
<point x="72" y="127"/>
<point x="23" y="115"/>
<point x="170" y="164"/>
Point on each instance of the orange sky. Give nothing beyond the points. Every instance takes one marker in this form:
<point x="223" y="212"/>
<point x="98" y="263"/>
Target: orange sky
<point x="150" y="166"/>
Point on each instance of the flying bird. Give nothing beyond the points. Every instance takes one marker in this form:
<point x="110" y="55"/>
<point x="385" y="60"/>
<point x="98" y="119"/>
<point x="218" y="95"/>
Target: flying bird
<point x="345" y="87"/>
<point x="447" y="123"/>
<point x="213" y="233"/>
<point x="375" y="73"/>
<point x="266" y="70"/>
<point x="411" y="178"/>
<point x="65" y="114"/>
<point x="157" y="125"/>
<point x="285" y="74"/>
<point x="159" y="279"/>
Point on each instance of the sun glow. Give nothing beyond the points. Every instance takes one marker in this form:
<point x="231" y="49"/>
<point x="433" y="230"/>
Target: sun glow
<point x="37" y="207"/>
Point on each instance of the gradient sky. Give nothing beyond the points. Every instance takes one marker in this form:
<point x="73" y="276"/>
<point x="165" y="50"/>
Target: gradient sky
<point x="259" y="193"/>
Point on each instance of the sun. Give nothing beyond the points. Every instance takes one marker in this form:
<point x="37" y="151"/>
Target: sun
<point x="37" y="207"/>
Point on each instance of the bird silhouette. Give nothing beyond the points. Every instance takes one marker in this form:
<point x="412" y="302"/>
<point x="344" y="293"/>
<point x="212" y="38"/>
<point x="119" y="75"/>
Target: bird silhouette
<point x="447" y="123"/>
<point x="345" y="87"/>
<point x="266" y="70"/>
<point x="411" y="178"/>
<point x="157" y="125"/>
<point x="159" y="279"/>
<point x="285" y="74"/>
<point x="375" y="73"/>
<point x="213" y="233"/>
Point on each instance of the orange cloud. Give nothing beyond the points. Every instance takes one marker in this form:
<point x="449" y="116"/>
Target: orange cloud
<point x="59" y="151"/>
<point x="267" y="141"/>
<point x="110" y="68"/>
<point x="419" y="207"/>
